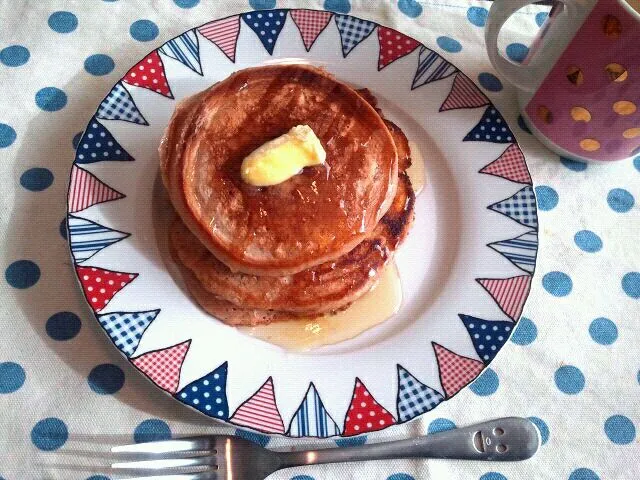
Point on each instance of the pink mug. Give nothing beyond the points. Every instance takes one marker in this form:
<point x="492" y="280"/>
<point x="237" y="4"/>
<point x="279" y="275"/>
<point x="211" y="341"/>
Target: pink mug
<point x="579" y="86"/>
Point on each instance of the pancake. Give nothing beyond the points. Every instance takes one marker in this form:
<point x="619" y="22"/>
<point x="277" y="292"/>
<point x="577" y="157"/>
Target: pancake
<point x="241" y="299"/>
<point x="312" y="218"/>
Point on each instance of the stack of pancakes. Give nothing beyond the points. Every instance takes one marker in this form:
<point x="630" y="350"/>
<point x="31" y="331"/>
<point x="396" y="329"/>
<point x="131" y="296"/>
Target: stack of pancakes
<point x="308" y="246"/>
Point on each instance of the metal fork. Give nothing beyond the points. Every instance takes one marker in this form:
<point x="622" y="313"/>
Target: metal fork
<point x="222" y="457"/>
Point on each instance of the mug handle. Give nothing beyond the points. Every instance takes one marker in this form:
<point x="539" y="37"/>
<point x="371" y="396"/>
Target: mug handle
<point x="524" y="77"/>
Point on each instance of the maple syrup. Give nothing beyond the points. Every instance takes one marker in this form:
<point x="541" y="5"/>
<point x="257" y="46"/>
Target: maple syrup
<point x="416" y="170"/>
<point x="373" y="308"/>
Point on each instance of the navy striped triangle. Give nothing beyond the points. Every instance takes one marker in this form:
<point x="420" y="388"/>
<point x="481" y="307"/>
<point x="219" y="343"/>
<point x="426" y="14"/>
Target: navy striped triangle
<point x="312" y="419"/>
<point x="431" y="67"/>
<point x="87" y="238"/>
<point x="185" y="49"/>
<point x="521" y="251"/>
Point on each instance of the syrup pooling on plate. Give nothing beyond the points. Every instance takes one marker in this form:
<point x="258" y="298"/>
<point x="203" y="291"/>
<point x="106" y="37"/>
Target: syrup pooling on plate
<point x="374" y="307"/>
<point x="416" y="170"/>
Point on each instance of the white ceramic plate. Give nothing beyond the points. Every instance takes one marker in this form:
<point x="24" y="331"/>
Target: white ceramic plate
<point x="465" y="268"/>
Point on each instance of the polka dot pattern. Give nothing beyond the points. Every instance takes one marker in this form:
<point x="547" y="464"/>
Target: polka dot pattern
<point x="558" y="284"/>
<point x="490" y="82"/>
<point x="22" y="274"/>
<point x="63" y="326"/>
<point x="106" y="379"/>
<point x="603" y="331"/>
<point x="14" y="56"/>
<point x="99" y="64"/>
<point x="542" y="428"/>
<point x="12" y="377"/>
<point x="7" y="135"/>
<point x="49" y="434"/>
<point x="365" y="414"/>
<point x="492" y="476"/>
<point x="573" y="165"/>
<point x="51" y="99"/>
<point x="449" y="44"/>
<point x="401" y="476"/>
<point x="144" y="30"/>
<point x="411" y="8"/>
<point x="339" y="6"/>
<point x="547" y="198"/>
<point x="569" y="379"/>
<point x="186" y="3"/>
<point x="486" y="384"/>
<point x="351" y="441"/>
<point x="260" y="439"/>
<point x="631" y="284"/>
<point x="477" y="16"/>
<point x="620" y="200"/>
<point x="525" y="332"/>
<point x="151" y="430"/>
<point x="620" y="429"/>
<point x="440" y="425"/>
<point x="517" y="52"/>
<point x="583" y="474"/>
<point x="36" y="179"/>
<point x="63" y="22"/>
<point x="588" y="241"/>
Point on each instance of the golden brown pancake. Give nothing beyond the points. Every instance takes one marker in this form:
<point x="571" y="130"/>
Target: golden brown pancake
<point x="312" y="218"/>
<point x="241" y="299"/>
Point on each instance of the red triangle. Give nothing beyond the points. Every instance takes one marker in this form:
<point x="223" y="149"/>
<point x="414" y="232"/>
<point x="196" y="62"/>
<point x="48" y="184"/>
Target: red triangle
<point x="464" y="94"/>
<point x="365" y="414"/>
<point x="510" y="165"/>
<point x="85" y="190"/>
<point x="456" y="371"/>
<point x="260" y="412"/>
<point x="224" y="34"/>
<point x="100" y="285"/>
<point x="163" y="366"/>
<point x="149" y="73"/>
<point x="393" y="45"/>
<point x="509" y="293"/>
<point x="310" y="23"/>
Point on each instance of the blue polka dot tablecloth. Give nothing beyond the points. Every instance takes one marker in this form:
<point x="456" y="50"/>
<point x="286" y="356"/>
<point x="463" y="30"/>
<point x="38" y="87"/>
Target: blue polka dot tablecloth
<point x="572" y="365"/>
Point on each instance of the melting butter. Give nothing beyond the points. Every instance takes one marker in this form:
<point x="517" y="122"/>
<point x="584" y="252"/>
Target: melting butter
<point x="416" y="170"/>
<point x="281" y="158"/>
<point x="373" y="308"/>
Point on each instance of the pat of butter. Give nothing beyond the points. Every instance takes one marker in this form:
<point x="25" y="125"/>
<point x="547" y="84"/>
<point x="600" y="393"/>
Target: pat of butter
<point x="283" y="157"/>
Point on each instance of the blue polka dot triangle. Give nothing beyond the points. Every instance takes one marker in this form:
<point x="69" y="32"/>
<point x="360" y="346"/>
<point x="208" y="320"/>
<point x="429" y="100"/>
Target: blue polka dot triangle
<point x="267" y="25"/>
<point x="414" y="397"/>
<point x="352" y="31"/>
<point x="521" y="251"/>
<point x="312" y="419"/>
<point x="185" y="49"/>
<point x="487" y="336"/>
<point x="88" y="238"/>
<point x="520" y="207"/>
<point x="208" y="394"/>
<point x="491" y="128"/>
<point x="98" y="145"/>
<point x="118" y="105"/>
<point x="126" y="328"/>
<point x="431" y="68"/>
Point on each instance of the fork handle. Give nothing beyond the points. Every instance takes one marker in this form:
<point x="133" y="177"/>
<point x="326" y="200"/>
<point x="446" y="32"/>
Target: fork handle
<point x="504" y="439"/>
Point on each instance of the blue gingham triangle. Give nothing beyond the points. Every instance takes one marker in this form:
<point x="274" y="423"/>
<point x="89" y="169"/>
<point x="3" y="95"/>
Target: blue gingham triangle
<point x="126" y="328"/>
<point x="521" y="251"/>
<point x="98" y="145"/>
<point x="431" y="67"/>
<point x="312" y="419"/>
<point x="87" y="238"/>
<point x="521" y="207"/>
<point x="491" y="128"/>
<point x="352" y="31"/>
<point x="414" y="397"/>
<point x="118" y="105"/>
<point x="488" y="337"/>
<point x="185" y="49"/>
<point x="208" y="394"/>
<point x="267" y="25"/>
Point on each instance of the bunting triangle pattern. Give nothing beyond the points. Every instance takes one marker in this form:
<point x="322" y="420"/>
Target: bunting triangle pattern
<point x="85" y="190"/>
<point x="267" y="25"/>
<point x="100" y="285"/>
<point x="521" y="251"/>
<point x="163" y="366"/>
<point x="149" y="73"/>
<point x="464" y="94"/>
<point x="126" y="328"/>
<point x="223" y="34"/>
<point x="310" y="23"/>
<point x="414" y="397"/>
<point x="487" y="336"/>
<point x="185" y="49"/>
<point x="393" y="45"/>
<point x="456" y="371"/>
<point x="510" y="165"/>
<point x="87" y="238"/>
<point x="431" y="68"/>
<point x="118" y="105"/>
<point x="509" y="293"/>
<point x="260" y="411"/>
<point x="98" y="145"/>
<point x="365" y="414"/>
<point x="520" y="207"/>
<point x="311" y="419"/>
<point x="491" y="128"/>
<point x="208" y="394"/>
<point x="352" y="31"/>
